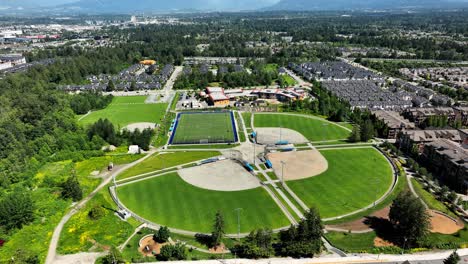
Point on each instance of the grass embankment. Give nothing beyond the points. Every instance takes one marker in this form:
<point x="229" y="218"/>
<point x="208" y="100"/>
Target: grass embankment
<point x="184" y="206"/>
<point x="311" y="128"/>
<point x="429" y="199"/>
<point x="127" y="110"/>
<point x="159" y="161"/>
<point x="240" y="127"/>
<point x="355" y="178"/>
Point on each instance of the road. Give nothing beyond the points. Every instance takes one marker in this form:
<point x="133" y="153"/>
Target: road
<point x="299" y="80"/>
<point x="52" y="252"/>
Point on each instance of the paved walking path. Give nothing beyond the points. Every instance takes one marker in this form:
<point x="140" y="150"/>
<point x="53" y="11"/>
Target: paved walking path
<point x="52" y="251"/>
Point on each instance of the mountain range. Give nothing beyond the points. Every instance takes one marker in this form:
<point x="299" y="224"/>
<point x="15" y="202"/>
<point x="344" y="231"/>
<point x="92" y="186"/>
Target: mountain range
<point x="163" y="6"/>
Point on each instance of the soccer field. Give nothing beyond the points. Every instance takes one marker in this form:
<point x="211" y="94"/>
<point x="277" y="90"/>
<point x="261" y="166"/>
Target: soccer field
<point x="202" y="128"/>
<point x="127" y="110"/>
<point x="311" y="128"/>
<point x="169" y="200"/>
<point x="355" y="179"/>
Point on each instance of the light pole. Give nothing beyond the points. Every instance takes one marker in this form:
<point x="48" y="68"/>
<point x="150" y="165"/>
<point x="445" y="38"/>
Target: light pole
<point x="282" y="172"/>
<point x="238" y="222"/>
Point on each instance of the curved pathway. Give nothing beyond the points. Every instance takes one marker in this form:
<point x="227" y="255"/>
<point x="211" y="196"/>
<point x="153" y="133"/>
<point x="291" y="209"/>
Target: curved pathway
<point x="52" y="252"/>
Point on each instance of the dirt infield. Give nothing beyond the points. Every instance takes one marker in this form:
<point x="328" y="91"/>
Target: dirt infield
<point x="226" y="175"/>
<point x="299" y="165"/>
<point x="443" y="224"/>
<point x="439" y="223"/>
<point x="270" y="135"/>
<point x="362" y="224"/>
<point x="140" y="126"/>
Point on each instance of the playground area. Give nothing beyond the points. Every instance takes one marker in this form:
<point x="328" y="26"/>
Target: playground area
<point x="273" y="135"/>
<point x="148" y="247"/>
<point x="225" y="175"/>
<point x="298" y="165"/>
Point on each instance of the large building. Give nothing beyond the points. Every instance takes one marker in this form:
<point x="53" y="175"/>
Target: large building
<point x="394" y="121"/>
<point x="449" y="161"/>
<point x="419" y="138"/>
<point x="216" y="97"/>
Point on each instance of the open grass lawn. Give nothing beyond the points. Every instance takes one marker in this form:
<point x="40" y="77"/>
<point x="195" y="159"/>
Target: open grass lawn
<point x="127" y="110"/>
<point x="312" y="129"/>
<point x="196" y="128"/>
<point x="166" y="160"/>
<point x="169" y="200"/>
<point x="247" y="119"/>
<point x="352" y="242"/>
<point x="355" y="178"/>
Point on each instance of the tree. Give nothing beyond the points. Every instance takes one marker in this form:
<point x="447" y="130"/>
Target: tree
<point x="258" y="244"/>
<point x="305" y="240"/>
<point x="172" y="252"/>
<point x="454" y="258"/>
<point x="24" y="257"/>
<point x="113" y="257"/>
<point x="367" y="130"/>
<point x="96" y="213"/>
<point x="71" y="189"/>
<point x="218" y="230"/>
<point x="110" y="86"/>
<point x="409" y="218"/>
<point x="16" y="210"/>
<point x="355" y="134"/>
<point x="132" y="86"/>
<point x="162" y="235"/>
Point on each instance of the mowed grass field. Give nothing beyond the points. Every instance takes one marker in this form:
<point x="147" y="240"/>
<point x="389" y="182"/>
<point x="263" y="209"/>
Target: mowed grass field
<point x="169" y="200"/>
<point x="126" y="110"/>
<point x="195" y="128"/>
<point x="311" y="128"/>
<point x="159" y="161"/>
<point x="355" y="179"/>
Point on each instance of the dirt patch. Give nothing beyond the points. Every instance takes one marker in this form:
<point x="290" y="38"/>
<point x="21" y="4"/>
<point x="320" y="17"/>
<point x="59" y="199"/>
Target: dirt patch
<point x="219" y="249"/>
<point x="298" y="165"/>
<point x="379" y="242"/>
<point x="363" y="223"/>
<point x="443" y="224"/>
<point x="140" y="126"/>
<point x="149" y="247"/>
<point x="226" y="175"/>
<point x="271" y="135"/>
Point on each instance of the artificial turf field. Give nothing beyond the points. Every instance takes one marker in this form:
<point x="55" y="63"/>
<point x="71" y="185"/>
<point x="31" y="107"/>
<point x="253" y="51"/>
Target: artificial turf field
<point x="196" y="128"/>
<point x="169" y="200"/>
<point x="126" y="110"/>
<point x="311" y="128"/>
<point x="355" y="179"/>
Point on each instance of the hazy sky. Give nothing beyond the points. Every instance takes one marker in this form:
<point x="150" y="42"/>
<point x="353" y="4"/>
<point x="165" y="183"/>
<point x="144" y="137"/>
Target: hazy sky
<point x="57" y="2"/>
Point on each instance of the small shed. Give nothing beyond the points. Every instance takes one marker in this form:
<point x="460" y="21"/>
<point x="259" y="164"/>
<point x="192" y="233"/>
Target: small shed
<point x="133" y="149"/>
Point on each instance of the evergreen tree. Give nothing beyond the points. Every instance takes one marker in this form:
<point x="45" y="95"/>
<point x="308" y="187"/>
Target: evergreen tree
<point x="110" y="86"/>
<point x="71" y="189"/>
<point x="409" y="219"/>
<point x="16" y="210"/>
<point x="218" y="230"/>
<point x="454" y="258"/>
<point x="162" y="235"/>
<point x="367" y="130"/>
<point x="355" y="134"/>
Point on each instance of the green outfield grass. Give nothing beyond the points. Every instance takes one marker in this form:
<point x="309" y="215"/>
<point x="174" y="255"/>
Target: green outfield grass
<point x="312" y="129"/>
<point x="199" y="127"/>
<point x="355" y="178"/>
<point x="127" y="110"/>
<point x="166" y="160"/>
<point x="169" y="200"/>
